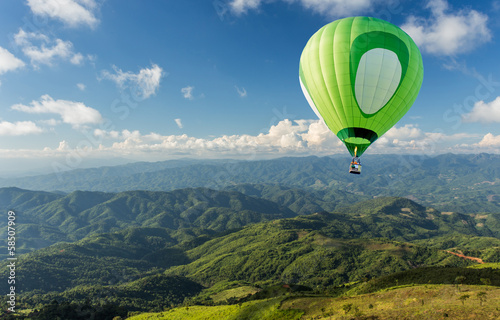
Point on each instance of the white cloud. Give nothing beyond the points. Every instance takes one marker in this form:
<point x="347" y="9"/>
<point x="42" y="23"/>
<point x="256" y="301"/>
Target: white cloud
<point x="489" y="140"/>
<point x="179" y="123"/>
<point x="330" y="8"/>
<point x="286" y="138"/>
<point x="187" y="92"/>
<point x="43" y="50"/>
<point x="143" y="84"/>
<point x="8" y="62"/>
<point x="484" y="112"/>
<point x="241" y="92"/>
<point x="448" y="33"/>
<point x="19" y="128"/>
<point x="77" y="59"/>
<point x="74" y="113"/>
<point x="63" y="146"/>
<point x="409" y="131"/>
<point x="81" y="86"/>
<point x="50" y="122"/>
<point x="339" y="8"/>
<point x="71" y="12"/>
<point x="298" y="137"/>
<point x="242" y="6"/>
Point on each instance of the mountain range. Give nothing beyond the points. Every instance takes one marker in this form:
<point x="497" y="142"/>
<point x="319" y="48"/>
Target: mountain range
<point x="150" y="236"/>
<point x="199" y="239"/>
<point x="464" y="182"/>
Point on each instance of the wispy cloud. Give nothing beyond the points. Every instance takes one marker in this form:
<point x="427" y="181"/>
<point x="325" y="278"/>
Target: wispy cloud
<point x="179" y="123"/>
<point x="329" y="8"/>
<point x="187" y="92"/>
<point x="145" y="83"/>
<point x="74" y="113"/>
<point x="242" y="6"/>
<point x="73" y="13"/>
<point x="448" y="33"/>
<point x="19" y="128"/>
<point x="445" y="32"/>
<point x="43" y="50"/>
<point x="241" y="92"/>
<point x="81" y="86"/>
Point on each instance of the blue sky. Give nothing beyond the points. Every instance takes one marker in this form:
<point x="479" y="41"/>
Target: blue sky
<point x="98" y="82"/>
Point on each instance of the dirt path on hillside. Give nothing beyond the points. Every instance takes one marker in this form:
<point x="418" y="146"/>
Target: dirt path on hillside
<point x="478" y="260"/>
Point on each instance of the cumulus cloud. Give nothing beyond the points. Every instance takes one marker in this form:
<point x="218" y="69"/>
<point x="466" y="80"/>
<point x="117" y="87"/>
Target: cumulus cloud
<point x="285" y="138"/>
<point x="484" y="112"/>
<point x="187" y="92"/>
<point x="74" y="113"/>
<point x="489" y="140"/>
<point x="448" y="33"/>
<point x="8" y="62"/>
<point x="144" y="84"/>
<point x="19" y="128"/>
<point x="43" y="50"/>
<point x="63" y="146"/>
<point x="71" y="12"/>
<point x="409" y="131"/>
<point x="410" y="139"/>
<point x="330" y="8"/>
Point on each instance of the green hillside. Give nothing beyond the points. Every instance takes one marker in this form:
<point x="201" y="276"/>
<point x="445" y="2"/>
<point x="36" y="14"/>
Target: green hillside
<point x="322" y="251"/>
<point x="301" y="201"/>
<point x="147" y="251"/>
<point x="415" y="302"/>
<point x="82" y="213"/>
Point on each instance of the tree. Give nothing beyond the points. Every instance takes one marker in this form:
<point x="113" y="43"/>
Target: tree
<point x="463" y="298"/>
<point x="347" y="307"/>
<point x="482" y="297"/>
<point x="460" y="279"/>
<point x="486" y="281"/>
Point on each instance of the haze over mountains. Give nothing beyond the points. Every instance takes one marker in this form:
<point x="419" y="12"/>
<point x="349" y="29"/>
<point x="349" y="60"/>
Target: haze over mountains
<point x="462" y="182"/>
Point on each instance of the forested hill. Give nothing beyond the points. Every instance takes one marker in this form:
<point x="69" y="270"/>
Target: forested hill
<point x="467" y="183"/>
<point x="143" y="268"/>
<point x="45" y="218"/>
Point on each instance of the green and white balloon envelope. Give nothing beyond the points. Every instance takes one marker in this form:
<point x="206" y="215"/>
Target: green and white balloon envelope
<point x="360" y="75"/>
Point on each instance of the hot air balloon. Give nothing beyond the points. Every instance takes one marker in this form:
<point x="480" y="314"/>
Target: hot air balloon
<point x="360" y="75"/>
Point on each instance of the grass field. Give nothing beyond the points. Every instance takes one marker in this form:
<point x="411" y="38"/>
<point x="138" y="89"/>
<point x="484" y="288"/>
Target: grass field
<point x="234" y="293"/>
<point x="258" y="310"/>
<point x="415" y="302"/>
<point x="492" y="265"/>
<point x="411" y="302"/>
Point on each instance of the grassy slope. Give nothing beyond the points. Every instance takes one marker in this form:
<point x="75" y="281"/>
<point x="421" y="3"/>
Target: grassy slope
<point x="258" y="310"/>
<point x="414" y="302"/>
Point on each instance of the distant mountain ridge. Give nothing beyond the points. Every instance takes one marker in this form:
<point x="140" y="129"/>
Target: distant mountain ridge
<point x="466" y="182"/>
